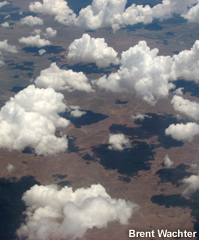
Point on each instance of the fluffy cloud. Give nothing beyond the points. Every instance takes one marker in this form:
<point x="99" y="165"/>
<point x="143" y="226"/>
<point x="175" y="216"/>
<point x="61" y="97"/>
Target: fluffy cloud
<point x="118" y="142"/>
<point x="75" y="111"/>
<point x="193" y="14"/>
<point x="30" y="119"/>
<point x="185" y="106"/>
<point x="186" y="64"/>
<point x="59" y="8"/>
<point x="42" y="52"/>
<point x="31" y="21"/>
<point x="139" y="116"/>
<point x="7" y="47"/>
<point x="62" y="79"/>
<point x="87" y="49"/>
<point x="3" y="3"/>
<point x="167" y="161"/>
<point x="183" y="132"/>
<point x="5" y="25"/>
<point x="59" y="214"/>
<point x="34" y="41"/>
<point x="141" y="71"/>
<point x="193" y="184"/>
<point x="50" y="33"/>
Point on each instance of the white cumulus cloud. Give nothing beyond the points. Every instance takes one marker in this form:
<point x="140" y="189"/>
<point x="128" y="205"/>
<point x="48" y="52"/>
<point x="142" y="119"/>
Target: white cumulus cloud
<point x="193" y="184"/>
<point x="50" y="32"/>
<point x="4" y="3"/>
<point x="140" y="116"/>
<point x="167" y="161"/>
<point x="75" y="111"/>
<point x="118" y="142"/>
<point x="60" y="214"/>
<point x="193" y="14"/>
<point x="30" y="119"/>
<point x="59" y="8"/>
<point x="36" y="41"/>
<point x="183" y="132"/>
<point x="7" y="47"/>
<point x="87" y="49"/>
<point x="42" y="52"/>
<point x="31" y="21"/>
<point x="62" y="79"/>
<point x="190" y="108"/>
<point x="5" y="25"/>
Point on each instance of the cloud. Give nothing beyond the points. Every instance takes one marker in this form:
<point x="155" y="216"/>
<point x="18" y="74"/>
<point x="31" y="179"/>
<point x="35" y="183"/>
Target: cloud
<point x="34" y="41"/>
<point x="61" y="214"/>
<point x="75" y="111"/>
<point x="10" y="168"/>
<point x="183" y="132"/>
<point x="36" y="32"/>
<point x="193" y="14"/>
<point x="59" y="8"/>
<point x="62" y="79"/>
<point x="3" y="3"/>
<point x="118" y="142"/>
<point x="5" y="25"/>
<point x="167" y="161"/>
<point x="1" y="60"/>
<point x="31" y="21"/>
<point x="186" y="64"/>
<point x="50" y="33"/>
<point x="7" y="47"/>
<point x="141" y="72"/>
<point x="140" y="116"/>
<point x="30" y="119"/>
<point x="190" y="108"/>
<point x="42" y="52"/>
<point x="193" y="184"/>
<point x="87" y="49"/>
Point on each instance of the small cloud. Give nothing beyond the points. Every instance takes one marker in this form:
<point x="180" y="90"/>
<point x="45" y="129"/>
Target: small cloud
<point x="42" y="52"/>
<point x="193" y="185"/>
<point x="5" y="25"/>
<point x="34" y="41"/>
<point x="7" y="47"/>
<point x="10" y="168"/>
<point x="118" y="142"/>
<point x="167" y="161"/>
<point x="140" y="116"/>
<point x="4" y="3"/>
<point x="31" y="21"/>
<point x="50" y="33"/>
<point x="76" y="112"/>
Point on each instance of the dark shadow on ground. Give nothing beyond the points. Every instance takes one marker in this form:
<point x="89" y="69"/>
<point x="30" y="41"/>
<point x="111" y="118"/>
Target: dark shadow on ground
<point x="11" y="204"/>
<point x="128" y="161"/>
<point x="86" y="119"/>
<point x="49" y="49"/>
<point x="24" y="66"/>
<point x="154" y="125"/>
<point x="17" y="89"/>
<point x="174" y="175"/>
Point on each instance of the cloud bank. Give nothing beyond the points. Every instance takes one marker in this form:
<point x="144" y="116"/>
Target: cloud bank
<point x="60" y="79"/>
<point x="30" y="119"/>
<point x="118" y="142"/>
<point x="183" y="132"/>
<point x="59" y="214"/>
<point x="96" y="50"/>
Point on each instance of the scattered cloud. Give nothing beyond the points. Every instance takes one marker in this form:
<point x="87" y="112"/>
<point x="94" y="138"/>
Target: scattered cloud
<point x="193" y="185"/>
<point x="140" y="116"/>
<point x="30" y="119"/>
<point x="141" y="72"/>
<point x="42" y="51"/>
<point x="4" y="46"/>
<point x="31" y="21"/>
<point x="36" y="32"/>
<point x="36" y="41"/>
<point x="183" y="132"/>
<point x="10" y="168"/>
<point x="62" y="79"/>
<point x="5" y="25"/>
<point x="167" y="161"/>
<point x="59" y="214"/>
<point x="87" y="49"/>
<point x="50" y="33"/>
<point x="75" y="111"/>
<point x="118" y="142"/>
<point x="59" y="8"/>
<point x="4" y="3"/>
<point x="190" y="108"/>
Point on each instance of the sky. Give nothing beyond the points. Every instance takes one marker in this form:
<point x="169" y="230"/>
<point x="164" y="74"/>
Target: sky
<point x="54" y="51"/>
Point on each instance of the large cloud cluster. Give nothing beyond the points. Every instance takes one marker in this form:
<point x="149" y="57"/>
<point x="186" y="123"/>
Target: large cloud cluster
<point x="186" y="106"/>
<point x="62" y="79"/>
<point x="87" y="49"/>
<point x="183" y="132"/>
<point x="36" y="41"/>
<point x="61" y="214"/>
<point x="30" y="119"/>
<point x="59" y="8"/>
<point x="31" y="21"/>
<point x="118" y="142"/>
<point x="141" y="71"/>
